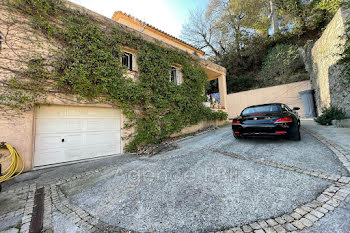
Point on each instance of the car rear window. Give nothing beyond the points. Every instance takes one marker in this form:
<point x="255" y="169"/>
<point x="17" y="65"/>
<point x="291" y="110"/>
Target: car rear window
<point x="262" y="109"/>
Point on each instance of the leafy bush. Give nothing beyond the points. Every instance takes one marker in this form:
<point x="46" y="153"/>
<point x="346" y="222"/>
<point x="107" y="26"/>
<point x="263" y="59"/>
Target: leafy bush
<point x="329" y="114"/>
<point x="281" y="60"/>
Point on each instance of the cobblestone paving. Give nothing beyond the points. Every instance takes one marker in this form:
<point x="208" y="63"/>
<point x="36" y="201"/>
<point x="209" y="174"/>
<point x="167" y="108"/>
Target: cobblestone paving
<point x="301" y="218"/>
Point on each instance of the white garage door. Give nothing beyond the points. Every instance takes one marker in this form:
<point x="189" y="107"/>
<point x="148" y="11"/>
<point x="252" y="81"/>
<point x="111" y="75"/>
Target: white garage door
<point x="65" y="133"/>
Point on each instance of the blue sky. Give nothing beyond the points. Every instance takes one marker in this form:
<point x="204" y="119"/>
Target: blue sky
<point x="167" y="15"/>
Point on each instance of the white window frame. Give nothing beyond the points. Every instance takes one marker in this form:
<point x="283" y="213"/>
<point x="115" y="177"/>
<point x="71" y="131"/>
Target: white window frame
<point x="176" y="80"/>
<point x="130" y="56"/>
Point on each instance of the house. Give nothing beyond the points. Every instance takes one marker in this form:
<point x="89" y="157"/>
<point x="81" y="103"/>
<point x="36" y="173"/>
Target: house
<point x="62" y="128"/>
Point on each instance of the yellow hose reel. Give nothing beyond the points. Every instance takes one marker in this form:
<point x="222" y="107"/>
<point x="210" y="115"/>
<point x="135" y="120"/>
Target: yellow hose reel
<point x="16" y="160"/>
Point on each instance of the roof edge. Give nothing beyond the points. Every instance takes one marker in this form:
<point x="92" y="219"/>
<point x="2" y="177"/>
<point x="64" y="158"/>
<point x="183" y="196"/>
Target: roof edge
<point x="118" y="13"/>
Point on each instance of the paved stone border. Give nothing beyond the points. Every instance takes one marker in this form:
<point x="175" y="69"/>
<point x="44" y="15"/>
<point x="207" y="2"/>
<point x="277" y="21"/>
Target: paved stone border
<point x="24" y="189"/>
<point x="28" y="210"/>
<point x="342" y="154"/>
<point x="47" y="221"/>
<point x="332" y="178"/>
<point x="302" y="217"/>
<point x="76" y="214"/>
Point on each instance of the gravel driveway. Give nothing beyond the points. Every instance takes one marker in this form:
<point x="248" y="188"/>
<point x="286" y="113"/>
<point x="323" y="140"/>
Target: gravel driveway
<point x="211" y="182"/>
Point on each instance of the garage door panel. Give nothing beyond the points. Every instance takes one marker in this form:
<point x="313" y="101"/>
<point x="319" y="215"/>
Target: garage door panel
<point x="49" y="157"/>
<point x="75" y="112"/>
<point x="55" y="125"/>
<point x="91" y="152"/>
<point x="102" y="139"/>
<point x="46" y="142"/>
<point x="58" y="125"/>
<point x="74" y="125"/>
<point x="88" y="132"/>
<point x="52" y="112"/>
<point x="103" y="124"/>
<point x="73" y="140"/>
<point x="100" y="112"/>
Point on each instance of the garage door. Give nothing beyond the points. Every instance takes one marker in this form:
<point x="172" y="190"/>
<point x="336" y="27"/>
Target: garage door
<point x="65" y="133"/>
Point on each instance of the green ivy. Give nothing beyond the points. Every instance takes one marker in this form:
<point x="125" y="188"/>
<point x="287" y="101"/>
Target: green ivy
<point x="88" y="66"/>
<point x="345" y="56"/>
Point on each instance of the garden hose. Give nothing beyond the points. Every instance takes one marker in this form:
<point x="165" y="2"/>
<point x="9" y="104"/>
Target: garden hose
<point x="9" y="172"/>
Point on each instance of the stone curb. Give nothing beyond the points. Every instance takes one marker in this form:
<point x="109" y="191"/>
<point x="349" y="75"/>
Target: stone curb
<point x="302" y="217"/>
<point x="341" y="153"/>
<point x="321" y="175"/>
<point x="28" y="210"/>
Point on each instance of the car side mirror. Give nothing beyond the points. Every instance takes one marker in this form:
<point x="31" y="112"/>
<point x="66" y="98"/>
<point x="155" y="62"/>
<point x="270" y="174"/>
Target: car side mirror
<point x="296" y="108"/>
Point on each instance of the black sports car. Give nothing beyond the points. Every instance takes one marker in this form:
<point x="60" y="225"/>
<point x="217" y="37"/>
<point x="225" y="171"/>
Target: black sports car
<point x="268" y="119"/>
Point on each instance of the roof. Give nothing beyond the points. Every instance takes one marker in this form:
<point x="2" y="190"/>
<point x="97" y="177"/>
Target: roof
<point x="118" y="14"/>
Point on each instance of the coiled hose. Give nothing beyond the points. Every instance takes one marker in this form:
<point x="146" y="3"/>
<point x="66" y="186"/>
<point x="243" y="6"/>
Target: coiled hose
<point x="9" y="172"/>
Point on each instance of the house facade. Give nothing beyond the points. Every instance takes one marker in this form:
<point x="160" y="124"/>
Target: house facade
<point x="64" y="129"/>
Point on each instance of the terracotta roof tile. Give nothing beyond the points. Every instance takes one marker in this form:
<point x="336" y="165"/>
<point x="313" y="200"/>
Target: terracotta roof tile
<point x="161" y="31"/>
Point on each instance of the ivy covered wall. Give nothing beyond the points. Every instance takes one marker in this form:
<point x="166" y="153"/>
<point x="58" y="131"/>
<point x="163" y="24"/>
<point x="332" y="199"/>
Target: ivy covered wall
<point x="85" y="62"/>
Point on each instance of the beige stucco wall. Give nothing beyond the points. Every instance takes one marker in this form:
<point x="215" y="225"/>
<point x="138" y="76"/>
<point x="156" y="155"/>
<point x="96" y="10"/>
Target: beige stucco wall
<point x="321" y="59"/>
<point x="287" y="94"/>
<point x="18" y="132"/>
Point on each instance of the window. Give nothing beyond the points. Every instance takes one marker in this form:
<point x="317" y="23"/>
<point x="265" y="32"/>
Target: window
<point x="1" y="40"/>
<point x="174" y="76"/>
<point x="285" y="108"/>
<point x="127" y="60"/>
<point x="261" y="109"/>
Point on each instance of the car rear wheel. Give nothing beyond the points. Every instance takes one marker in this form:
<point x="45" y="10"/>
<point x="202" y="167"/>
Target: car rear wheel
<point x="294" y="133"/>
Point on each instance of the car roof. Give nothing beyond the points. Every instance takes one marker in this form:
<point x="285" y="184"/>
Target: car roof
<point x="264" y="105"/>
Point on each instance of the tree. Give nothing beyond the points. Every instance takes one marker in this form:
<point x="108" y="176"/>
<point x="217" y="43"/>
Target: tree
<point x="273" y="18"/>
<point x="203" y="31"/>
<point x="304" y="15"/>
<point x="226" y="24"/>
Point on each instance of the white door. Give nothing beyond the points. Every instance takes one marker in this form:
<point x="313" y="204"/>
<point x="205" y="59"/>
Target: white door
<point x="66" y="133"/>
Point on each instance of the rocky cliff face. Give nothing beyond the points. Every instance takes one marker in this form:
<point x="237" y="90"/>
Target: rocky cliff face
<point x="321" y="61"/>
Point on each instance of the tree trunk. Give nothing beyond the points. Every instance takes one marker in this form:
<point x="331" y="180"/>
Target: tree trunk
<point x="273" y="18"/>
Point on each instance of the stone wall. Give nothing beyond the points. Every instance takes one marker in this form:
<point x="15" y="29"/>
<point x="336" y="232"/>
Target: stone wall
<point x="331" y="87"/>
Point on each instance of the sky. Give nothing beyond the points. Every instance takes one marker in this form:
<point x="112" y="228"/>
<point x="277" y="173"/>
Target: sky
<point x="167" y="15"/>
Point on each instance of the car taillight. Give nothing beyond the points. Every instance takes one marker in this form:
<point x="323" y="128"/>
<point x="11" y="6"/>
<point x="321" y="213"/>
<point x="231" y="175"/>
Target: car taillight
<point x="284" y="120"/>
<point x="237" y="132"/>
<point x="235" y="122"/>
<point x="281" y="131"/>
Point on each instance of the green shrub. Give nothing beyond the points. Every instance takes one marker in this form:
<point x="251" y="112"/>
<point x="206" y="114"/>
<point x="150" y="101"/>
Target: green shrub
<point x="282" y="59"/>
<point x="329" y="114"/>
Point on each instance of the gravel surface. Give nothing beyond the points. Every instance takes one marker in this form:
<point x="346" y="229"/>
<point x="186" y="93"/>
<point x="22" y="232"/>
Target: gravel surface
<point x="62" y="224"/>
<point x="340" y="136"/>
<point x="195" y="189"/>
<point x="307" y="154"/>
<point x="48" y="175"/>
<point x="10" y="223"/>
<point x="12" y="202"/>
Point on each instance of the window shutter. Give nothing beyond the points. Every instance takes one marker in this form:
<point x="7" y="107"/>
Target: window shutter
<point x="130" y="61"/>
